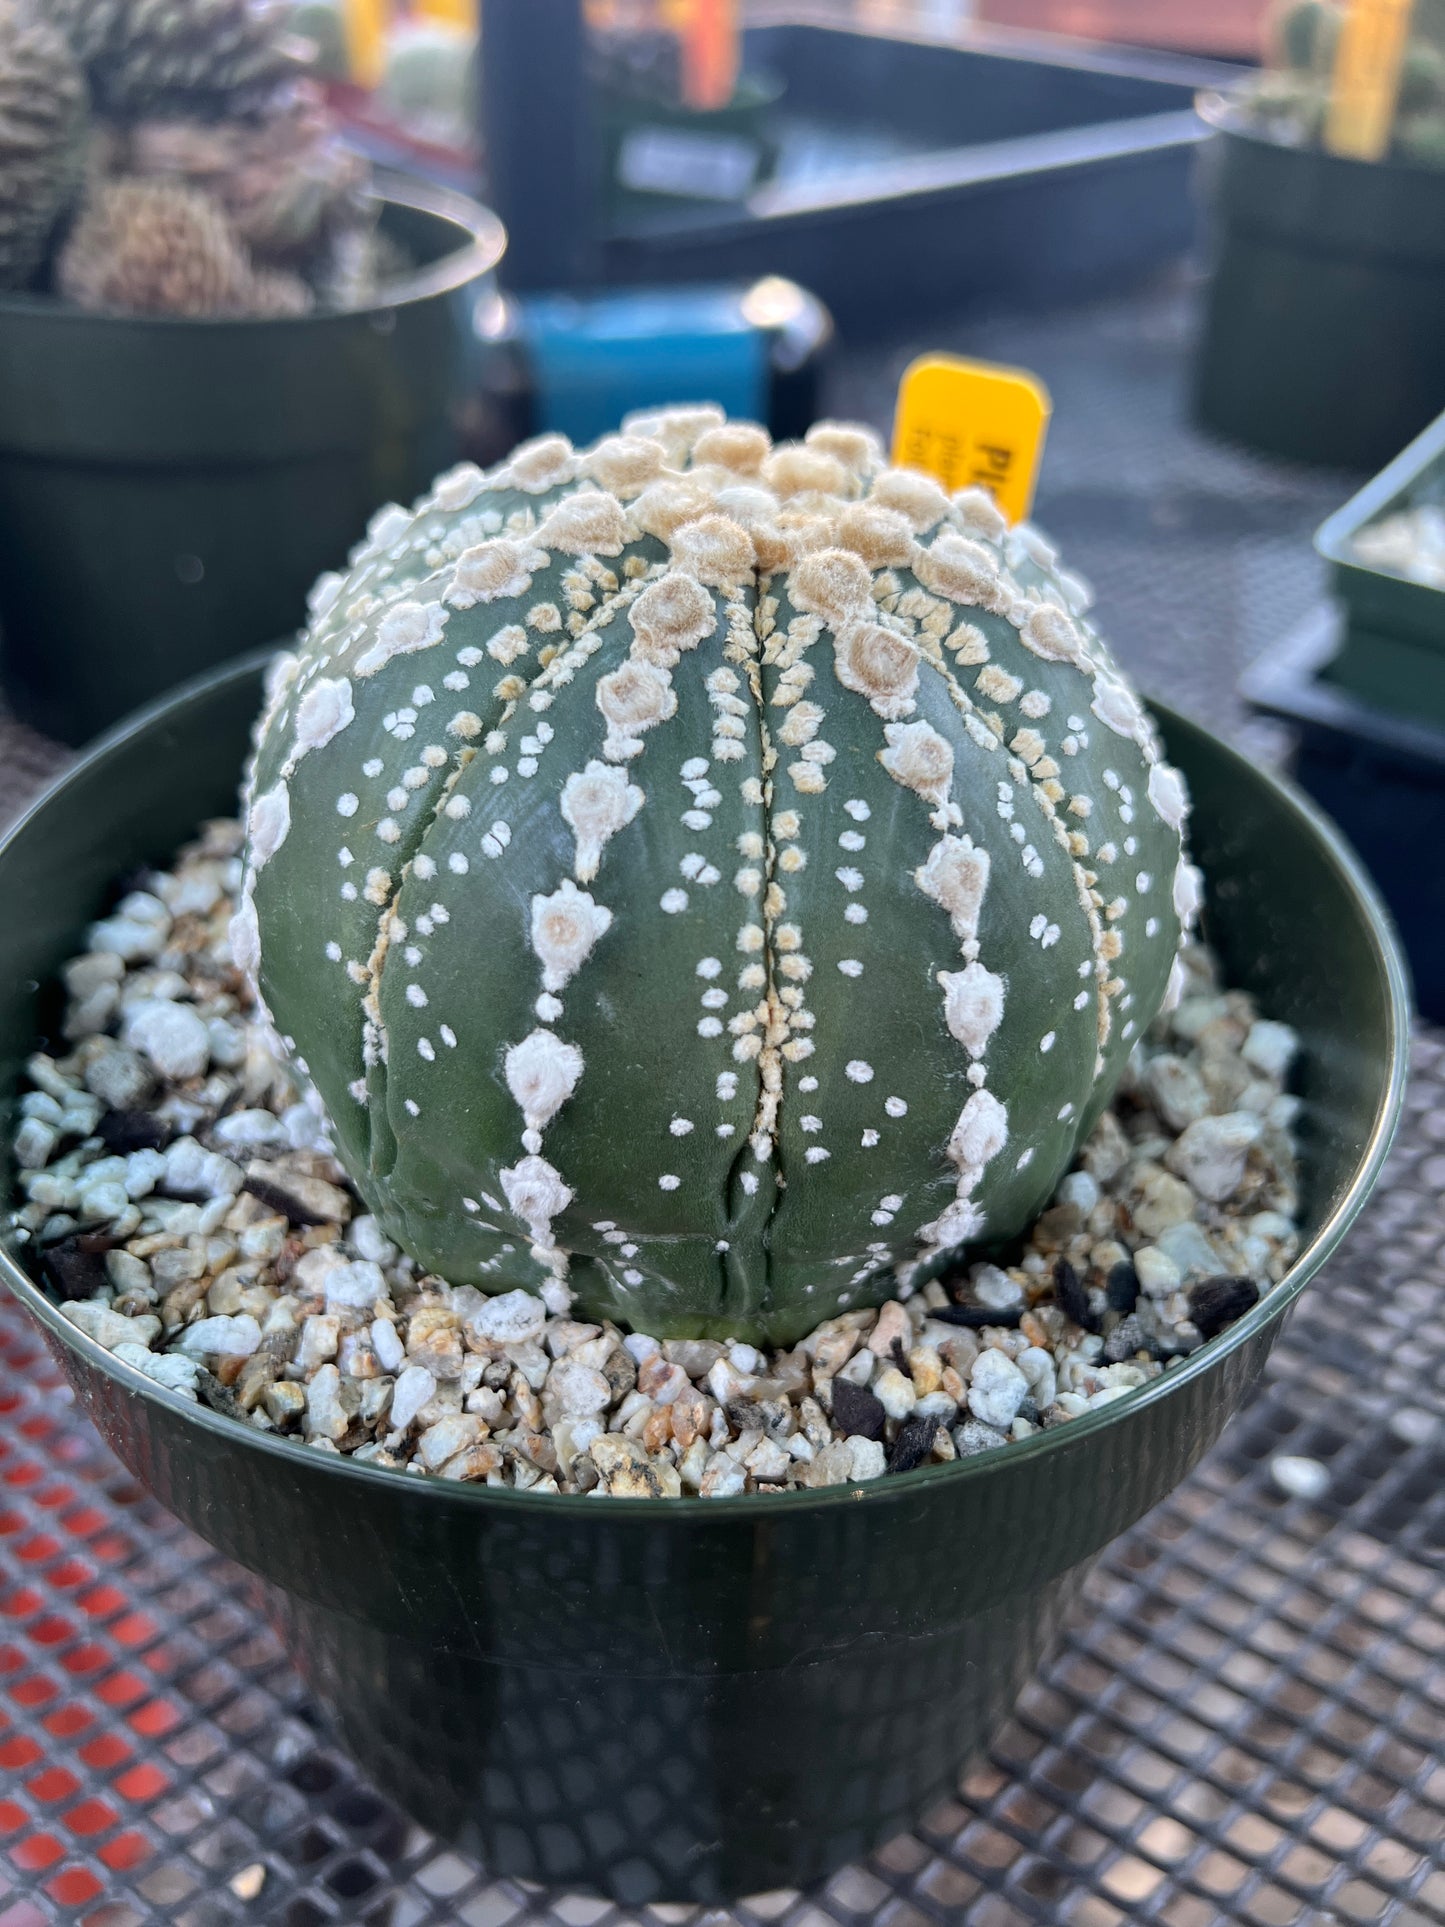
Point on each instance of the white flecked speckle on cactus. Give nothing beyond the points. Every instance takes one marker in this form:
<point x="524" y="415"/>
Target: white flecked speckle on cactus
<point x="707" y="880"/>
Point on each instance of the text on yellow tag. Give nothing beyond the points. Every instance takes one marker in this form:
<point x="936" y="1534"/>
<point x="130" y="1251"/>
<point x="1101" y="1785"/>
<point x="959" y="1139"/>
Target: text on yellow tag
<point x="972" y="423"/>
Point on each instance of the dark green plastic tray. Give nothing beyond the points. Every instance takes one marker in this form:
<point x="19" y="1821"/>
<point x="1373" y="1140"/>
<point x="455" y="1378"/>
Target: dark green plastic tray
<point x="1393" y="652"/>
<point x="693" y="1700"/>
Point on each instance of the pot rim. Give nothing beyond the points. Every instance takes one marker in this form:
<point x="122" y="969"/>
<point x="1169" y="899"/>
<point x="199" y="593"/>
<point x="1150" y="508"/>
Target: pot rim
<point x="478" y="255"/>
<point x="750" y="1506"/>
<point x="1218" y="108"/>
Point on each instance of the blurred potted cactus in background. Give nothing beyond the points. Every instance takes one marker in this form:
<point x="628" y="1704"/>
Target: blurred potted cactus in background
<point x="220" y="338"/>
<point x="1327" y="305"/>
<point x="682" y="125"/>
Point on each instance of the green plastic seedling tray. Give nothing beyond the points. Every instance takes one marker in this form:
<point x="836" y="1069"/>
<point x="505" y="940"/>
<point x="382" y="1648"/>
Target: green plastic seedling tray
<point x="1393" y="650"/>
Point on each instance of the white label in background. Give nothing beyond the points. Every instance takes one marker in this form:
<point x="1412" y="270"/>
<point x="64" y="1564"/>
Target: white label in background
<point x="703" y="167"/>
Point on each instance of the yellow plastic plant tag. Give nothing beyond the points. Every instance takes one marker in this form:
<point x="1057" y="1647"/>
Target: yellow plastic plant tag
<point x="967" y="422"/>
<point x="451" y="13"/>
<point x="1366" y="87"/>
<point x="366" y="22"/>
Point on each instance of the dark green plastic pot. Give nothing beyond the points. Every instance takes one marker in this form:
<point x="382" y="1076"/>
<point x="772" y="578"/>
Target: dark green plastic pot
<point x="697" y="1699"/>
<point x="1324" y="327"/>
<point x="170" y="489"/>
<point x="1393" y="651"/>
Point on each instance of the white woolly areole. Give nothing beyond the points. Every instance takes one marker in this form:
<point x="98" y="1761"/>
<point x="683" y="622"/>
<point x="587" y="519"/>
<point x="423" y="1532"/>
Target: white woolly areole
<point x="1116" y="708"/>
<point x="625" y="464"/>
<point x="956" y="876"/>
<point x="402" y="631"/>
<point x="1168" y="794"/>
<point x="565" y="926"/>
<point x="245" y="937"/>
<point x="980" y="1133"/>
<point x="596" y="803"/>
<point x="715" y="549"/>
<point x="324" y="591"/>
<point x="587" y="523"/>
<point x="539" y="465"/>
<point x="670" y="616"/>
<point x="738" y="447"/>
<point x="963" y="571"/>
<point x="917" y="498"/>
<point x="918" y="758"/>
<point x="960" y="1224"/>
<point x="981" y="514"/>
<point x="878" y="663"/>
<point x="633" y="699"/>
<point x="322" y="713"/>
<point x="1050" y="634"/>
<point x="268" y="823"/>
<point x="880" y="537"/>
<point x="973" y="1001"/>
<point x="501" y="567"/>
<point x="834" y="584"/>
<point x="457" y="489"/>
<point x="1188" y="893"/>
<point x="535" y="1193"/>
<point x="542" y="1072"/>
<point x="676" y="429"/>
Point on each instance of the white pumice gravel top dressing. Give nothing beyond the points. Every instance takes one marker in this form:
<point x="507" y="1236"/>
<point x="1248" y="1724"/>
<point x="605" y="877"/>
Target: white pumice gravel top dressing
<point x="181" y="1200"/>
<point x="1410" y="543"/>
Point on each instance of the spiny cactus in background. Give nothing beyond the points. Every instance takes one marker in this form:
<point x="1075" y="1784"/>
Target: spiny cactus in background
<point x="141" y="52"/>
<point x="42" y="131"/>
<point x="146" y="247"/>
<point x="702" y="876"/>
<point x="283" y="176"/>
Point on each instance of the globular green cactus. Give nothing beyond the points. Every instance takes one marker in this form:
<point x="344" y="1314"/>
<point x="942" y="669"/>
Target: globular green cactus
<point x="703" y="876"/>
<point x="43" y="110"/>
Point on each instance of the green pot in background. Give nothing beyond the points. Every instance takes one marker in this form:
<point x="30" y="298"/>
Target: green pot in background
<point x="1324" y="328"/>
<point x="170" y="489"/>
<point x="1393" y="648"/>
<point x="662" y="157"/>
<point x="693" y="1700"/>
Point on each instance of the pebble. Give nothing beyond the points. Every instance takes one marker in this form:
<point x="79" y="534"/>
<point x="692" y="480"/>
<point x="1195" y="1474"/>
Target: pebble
<point x="578" y="1390"/>
<point x="172" y="1036"/>
<point x="1300" y="1478"/>
<point x="231" y="1239"/>
<point x="1157" y="1272"/>
<point x="415" y="1387"/>
<point x="1211" y="1153"/>
<point x="996" y="1390"/>
<point x="234" y="1337"/>
<point x="508" y="1319"/>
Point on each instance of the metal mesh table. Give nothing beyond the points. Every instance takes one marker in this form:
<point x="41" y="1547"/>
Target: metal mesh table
<point x="1244" y="1720"/>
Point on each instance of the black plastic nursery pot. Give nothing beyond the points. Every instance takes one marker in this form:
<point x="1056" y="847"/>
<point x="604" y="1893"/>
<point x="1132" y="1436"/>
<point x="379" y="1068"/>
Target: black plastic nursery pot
<point x="693" y="1700"/>
<point x="170" y="489"/>
<point x="1324" y="330"/>
<point x="1393" y="652"/>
